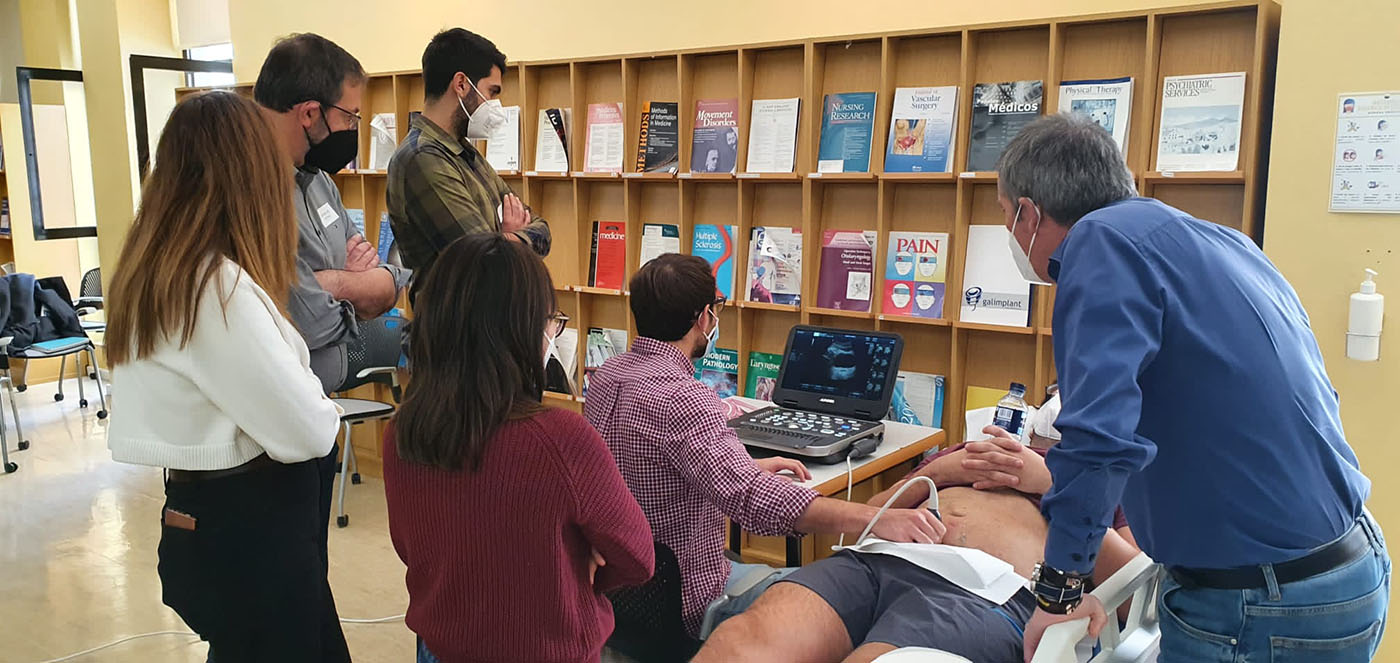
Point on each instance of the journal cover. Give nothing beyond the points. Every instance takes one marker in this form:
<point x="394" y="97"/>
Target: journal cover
<point x="916" y="274"/>
<point x="921" y="130"/>
<point x="773" y="135"/>
<point x="1109" y="102"/>
<point x="775" y="265"/>
<point x="848" y="120"/>
<point x="1200" y="128"/>
<point x="603" y="147"/>
<point x="658" y="149"/>
<point x="999" y="111"/>
<point x="715" y="244"/>
<point x="763" y="375"/>
<point x="847" y="261"/>
<point x="993" y="290"/>
<point x="714" y="146"/>
<point x="719" y="371"/>
<point x="918" y="399"/>
<point x="659" y="238"/>
<point x="608" y="254"/>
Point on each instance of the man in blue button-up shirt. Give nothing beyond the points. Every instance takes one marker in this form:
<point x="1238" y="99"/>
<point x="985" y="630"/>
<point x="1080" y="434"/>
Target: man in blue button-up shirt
<point x="1193" y="391"/>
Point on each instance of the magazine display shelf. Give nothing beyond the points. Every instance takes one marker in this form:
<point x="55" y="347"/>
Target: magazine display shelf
<point x="1237" y="35"/>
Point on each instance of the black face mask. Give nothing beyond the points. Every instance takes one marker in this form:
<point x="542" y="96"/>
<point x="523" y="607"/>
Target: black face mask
<point x="334" y="152"/>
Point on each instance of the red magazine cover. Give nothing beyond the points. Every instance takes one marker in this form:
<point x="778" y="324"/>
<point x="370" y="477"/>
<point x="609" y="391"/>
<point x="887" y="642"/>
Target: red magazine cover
<point x="609" y="252"/>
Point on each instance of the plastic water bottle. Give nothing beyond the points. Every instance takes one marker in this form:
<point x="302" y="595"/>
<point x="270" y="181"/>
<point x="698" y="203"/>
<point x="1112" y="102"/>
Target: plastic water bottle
<point x="1011" y="411"/>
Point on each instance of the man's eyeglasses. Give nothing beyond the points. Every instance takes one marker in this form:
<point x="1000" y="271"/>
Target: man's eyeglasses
<point x="718" y="304"/>
<point x="556" y="325"/>
<point x="354" y="117"/>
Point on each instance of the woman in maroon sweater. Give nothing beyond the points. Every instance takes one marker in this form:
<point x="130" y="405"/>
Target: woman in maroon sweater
<point x="511" y="517"/>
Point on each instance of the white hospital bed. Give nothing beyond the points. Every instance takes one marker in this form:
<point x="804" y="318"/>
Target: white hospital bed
<point x="1137" y="641"/>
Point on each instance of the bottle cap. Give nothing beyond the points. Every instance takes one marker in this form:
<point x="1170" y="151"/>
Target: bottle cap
<point x="1018" y="389"/>
<point x="1368" y="287"/>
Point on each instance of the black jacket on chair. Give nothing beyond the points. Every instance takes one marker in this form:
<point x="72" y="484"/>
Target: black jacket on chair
<point x="35" y="310"/>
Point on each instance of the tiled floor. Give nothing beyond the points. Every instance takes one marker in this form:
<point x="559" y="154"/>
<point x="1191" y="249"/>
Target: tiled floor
<point x="78" y="535"/>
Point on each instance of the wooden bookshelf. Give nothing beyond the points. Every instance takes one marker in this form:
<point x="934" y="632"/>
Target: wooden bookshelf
<point x="1149" y="45"/>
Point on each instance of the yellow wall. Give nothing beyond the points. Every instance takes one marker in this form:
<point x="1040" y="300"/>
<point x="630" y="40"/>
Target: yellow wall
<point x="1321" y="253"/>
<point x="386" y="38"/>
<point x="1327" y="48"/>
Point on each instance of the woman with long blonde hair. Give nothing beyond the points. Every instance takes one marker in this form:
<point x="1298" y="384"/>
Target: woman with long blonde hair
<point x="218" y="391"/>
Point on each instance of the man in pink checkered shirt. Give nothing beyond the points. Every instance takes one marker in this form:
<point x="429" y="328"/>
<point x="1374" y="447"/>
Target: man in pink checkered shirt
<point x="684" y="464"/>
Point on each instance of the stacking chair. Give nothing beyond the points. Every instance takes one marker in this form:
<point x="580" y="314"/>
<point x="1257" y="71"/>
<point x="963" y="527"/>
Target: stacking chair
<point x="373" y="358"/>
<point x="89" y="301"/>
<point x="9" y="386"/>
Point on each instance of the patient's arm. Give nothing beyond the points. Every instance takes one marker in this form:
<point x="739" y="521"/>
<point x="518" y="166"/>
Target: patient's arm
<point x="1114" y="553"/>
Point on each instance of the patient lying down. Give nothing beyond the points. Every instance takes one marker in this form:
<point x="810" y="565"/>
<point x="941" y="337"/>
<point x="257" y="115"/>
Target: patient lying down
<point x="856" y="606"/>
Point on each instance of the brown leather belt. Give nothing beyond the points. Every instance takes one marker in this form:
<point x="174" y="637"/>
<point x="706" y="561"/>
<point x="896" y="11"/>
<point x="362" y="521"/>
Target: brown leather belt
<point x="187" y="476"/>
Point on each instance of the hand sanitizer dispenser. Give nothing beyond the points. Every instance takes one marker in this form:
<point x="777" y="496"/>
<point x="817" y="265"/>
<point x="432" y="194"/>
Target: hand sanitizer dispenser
<point x="1364" y="321"/>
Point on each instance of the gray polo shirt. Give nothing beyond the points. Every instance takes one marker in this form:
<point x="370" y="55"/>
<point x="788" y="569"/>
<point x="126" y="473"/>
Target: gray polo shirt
<point x="324" y="321"/>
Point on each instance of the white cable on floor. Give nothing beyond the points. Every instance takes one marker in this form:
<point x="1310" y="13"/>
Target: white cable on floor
<point x="129" y="638"/>
<point x="117" y="642"/>
<point x="380" y="620"/>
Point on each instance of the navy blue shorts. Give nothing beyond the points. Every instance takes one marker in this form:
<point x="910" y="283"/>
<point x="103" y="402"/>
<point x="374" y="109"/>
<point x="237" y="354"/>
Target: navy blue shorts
<point x="886" y="599"/>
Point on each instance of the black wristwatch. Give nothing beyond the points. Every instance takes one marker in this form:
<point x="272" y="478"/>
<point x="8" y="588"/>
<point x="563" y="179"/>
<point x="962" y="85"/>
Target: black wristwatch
<point x="1056" y="592"/>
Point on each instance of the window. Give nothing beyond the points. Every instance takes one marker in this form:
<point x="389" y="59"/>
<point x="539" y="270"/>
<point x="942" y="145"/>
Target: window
<point x="213" y="52"/>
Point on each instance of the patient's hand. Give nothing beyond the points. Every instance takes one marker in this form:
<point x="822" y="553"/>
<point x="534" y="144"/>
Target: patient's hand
<point x="1002" y="461"/>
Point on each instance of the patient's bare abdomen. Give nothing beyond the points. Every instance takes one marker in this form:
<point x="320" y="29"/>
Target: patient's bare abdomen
<point x="1000" y="522"/>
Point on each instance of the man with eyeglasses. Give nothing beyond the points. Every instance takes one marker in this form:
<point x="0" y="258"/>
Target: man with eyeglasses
<point x="309" y="90"/>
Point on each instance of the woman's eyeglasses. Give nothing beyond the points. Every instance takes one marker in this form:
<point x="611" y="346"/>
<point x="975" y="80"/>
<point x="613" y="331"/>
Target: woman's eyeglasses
<point x="556" y="325"/>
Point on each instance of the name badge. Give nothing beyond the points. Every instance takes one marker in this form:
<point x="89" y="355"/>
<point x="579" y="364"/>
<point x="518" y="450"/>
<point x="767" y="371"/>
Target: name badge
<point x="328" y="215"/>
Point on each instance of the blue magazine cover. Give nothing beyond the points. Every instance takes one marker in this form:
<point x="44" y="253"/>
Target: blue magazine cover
<point x="848" y="121"/>
<point x="716" y="245"/>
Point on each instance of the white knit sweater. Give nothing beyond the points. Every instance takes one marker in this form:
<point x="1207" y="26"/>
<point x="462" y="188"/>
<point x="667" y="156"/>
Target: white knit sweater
<point x="240" y="387"/>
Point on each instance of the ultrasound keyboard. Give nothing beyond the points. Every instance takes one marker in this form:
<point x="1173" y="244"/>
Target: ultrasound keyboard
<point x="801" y="432"/>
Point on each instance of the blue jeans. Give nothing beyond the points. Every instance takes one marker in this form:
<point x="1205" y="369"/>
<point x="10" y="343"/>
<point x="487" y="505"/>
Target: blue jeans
<point x="425" y="656"/>
<point x="740" y="603"/>
<point x="1337" y="616"/>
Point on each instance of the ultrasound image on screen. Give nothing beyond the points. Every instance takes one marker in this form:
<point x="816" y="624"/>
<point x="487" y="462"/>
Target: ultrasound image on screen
<point x="845" y="365"/>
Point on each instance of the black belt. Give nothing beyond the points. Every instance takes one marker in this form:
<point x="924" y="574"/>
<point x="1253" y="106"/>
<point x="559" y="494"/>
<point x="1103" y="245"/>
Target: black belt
<point x="1333" y="555"/>
<point x="187" y="476"/>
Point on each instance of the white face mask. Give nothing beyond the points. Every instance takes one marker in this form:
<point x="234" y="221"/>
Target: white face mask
<point x="486" y="119"/>
<point x="903" y="263"/>
<point x="899" y="295"/>
<point x="925" y="297"/>
<point x="713" y="337"/>
<point x="550" y="350"/>
<point x="1020" y="255"/>
<point x="928" y="264"/>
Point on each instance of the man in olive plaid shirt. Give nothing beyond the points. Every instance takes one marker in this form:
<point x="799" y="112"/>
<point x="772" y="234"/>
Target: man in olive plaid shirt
<point x="440" y="186"/>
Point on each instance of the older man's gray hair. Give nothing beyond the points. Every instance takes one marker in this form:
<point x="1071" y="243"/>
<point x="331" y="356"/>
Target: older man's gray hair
<point x="1068" y="165"/>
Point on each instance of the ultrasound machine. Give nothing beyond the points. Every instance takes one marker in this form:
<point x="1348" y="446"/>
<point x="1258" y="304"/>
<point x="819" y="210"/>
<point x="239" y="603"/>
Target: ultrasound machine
<point x="834" y="387"/>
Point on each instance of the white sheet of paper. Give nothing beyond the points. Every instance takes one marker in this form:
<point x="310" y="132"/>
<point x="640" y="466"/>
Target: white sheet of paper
<point x="971" y="569"/>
